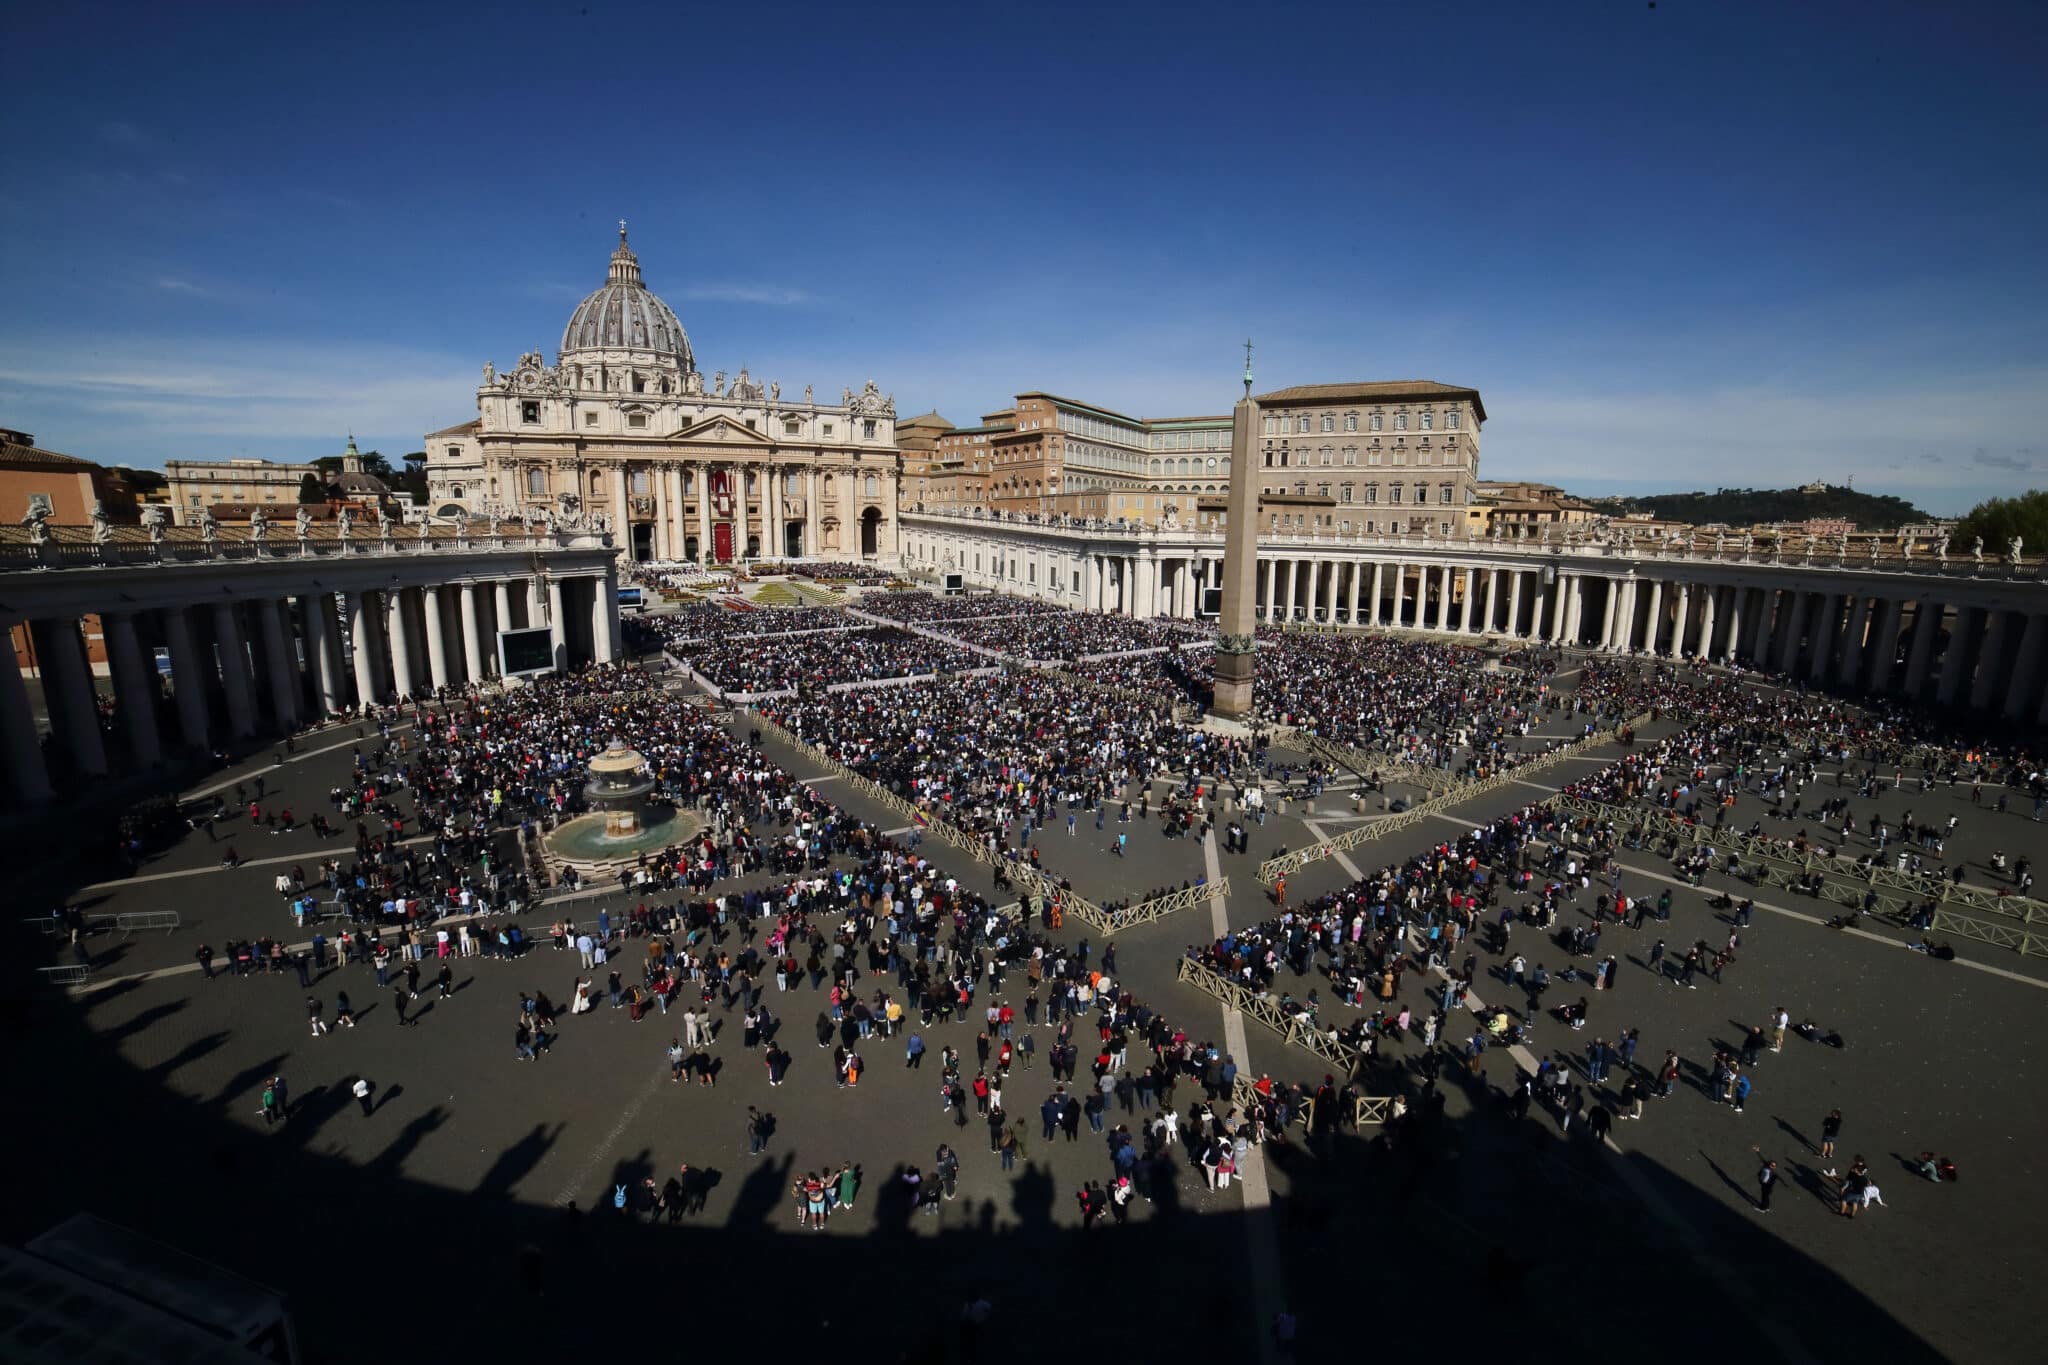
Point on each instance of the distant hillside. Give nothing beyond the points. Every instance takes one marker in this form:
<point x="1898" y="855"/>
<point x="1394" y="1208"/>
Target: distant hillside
<point x="1742" y="506"/>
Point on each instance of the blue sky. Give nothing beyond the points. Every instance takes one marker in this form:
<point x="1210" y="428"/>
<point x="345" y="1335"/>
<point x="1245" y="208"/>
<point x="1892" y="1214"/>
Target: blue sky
<point x="1688" y="246"/>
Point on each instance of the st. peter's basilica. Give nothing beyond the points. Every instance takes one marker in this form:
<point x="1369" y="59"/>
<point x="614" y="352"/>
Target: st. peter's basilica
<point x="624" y="429"/>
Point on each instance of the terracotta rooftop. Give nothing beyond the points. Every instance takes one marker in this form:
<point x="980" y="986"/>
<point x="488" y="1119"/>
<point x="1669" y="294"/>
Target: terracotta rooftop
<point x="1363" y="391"/>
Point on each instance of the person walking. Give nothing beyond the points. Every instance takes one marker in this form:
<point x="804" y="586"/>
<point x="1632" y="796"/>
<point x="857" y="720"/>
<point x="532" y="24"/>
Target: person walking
<point x="313" y="1008"/>
<point x="913" y="1052"/>
<point x="445" y="978"/>
<point x="1766" y="1180"/>
<point x="399" y="999"/>
<point x="363" y="1089"/>
<point x="1830" y="1129"/>
<point x="757" y="1131"/>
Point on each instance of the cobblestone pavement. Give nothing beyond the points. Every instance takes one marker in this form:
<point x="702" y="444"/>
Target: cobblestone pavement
<point x="440" y="1219"/>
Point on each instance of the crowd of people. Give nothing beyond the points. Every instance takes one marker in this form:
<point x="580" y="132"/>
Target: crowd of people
<point x="930" y="609"/>
<point x="812" y="661"/>
<point x="1068" y="635"/>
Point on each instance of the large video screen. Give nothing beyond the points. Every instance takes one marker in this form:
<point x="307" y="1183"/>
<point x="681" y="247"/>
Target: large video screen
<point x="526" y="651"/>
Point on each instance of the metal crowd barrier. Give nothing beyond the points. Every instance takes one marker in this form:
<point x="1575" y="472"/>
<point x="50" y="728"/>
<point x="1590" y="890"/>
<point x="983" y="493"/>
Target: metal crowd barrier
<point x="1267" y="1011"/>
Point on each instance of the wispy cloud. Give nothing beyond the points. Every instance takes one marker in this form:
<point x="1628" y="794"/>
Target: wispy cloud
<point x="121" y="133"/>
<point x="768" y="296"/>
<point x="143" y="402"/>
<point x="172" y="285"/>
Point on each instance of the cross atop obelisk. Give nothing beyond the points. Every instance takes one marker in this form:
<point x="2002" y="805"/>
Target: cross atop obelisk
<point x="1247" y="367"/>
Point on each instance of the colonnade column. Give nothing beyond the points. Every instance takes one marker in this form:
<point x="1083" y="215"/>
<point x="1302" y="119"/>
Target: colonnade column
<point x="1681" y="622"/>
<point x="1926" y="621"/>
<point x="1654" y="625"/>
<point x="502" y="595"/>
<point x="622" y="528"/>
<point x="359" y="644"/>
<point x="1825" y="628"/>
<point x="1373" y="612"/>
<point x="1990" y="660"/>
<point x="326" y="616"/>
<point x="472" y="639"/>
<point x="1357" y="575"/>
<point x="401" y="643"/>
<point x="813" y="532"/>
<point x="1954" y="662"/>
<point x="1710" y="597"/>
<point x="134" y="688"/>
<point x="1401" y="594"/>
<point x="1795" y="634"/>
<point x="68" y="693"/>
<point x="24" y="748"/>
<point x="771" y="511"/>
<point x="1287" y="606"/>
<point x="1852" y="641"/>
<point x="1515" y="603"/>
<point x="437" y="637"/>
<point x="1607" y="623"/>
<point x="1470" y="621"/>
<point x="234" y="670"/>
<point x="2027" y="670"/>
<point x="188" y="679"/>
<point x="274" y="616"/>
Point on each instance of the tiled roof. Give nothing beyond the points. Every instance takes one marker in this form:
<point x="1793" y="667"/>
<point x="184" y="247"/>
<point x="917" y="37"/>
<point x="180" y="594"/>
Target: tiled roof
<point x="1364" y="391"/>
<point x="465" y="429"/>
<point x="21" y="456"/>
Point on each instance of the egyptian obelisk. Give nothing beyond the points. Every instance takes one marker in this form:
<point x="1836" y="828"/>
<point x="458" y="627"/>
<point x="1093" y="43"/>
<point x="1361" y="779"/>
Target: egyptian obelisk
<point x="1238" y="622"/>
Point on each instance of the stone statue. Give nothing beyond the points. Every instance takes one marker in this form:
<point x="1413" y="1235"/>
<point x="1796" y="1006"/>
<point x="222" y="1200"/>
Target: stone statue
<point x="1941" y="548"/>
<point x="1873" y="550"/>
<point x="38" y="523"/>
<point x="1841" y="547"/>
<point x="2012" y="551"/>
<point x="807" y="394"/>
<point x="1906" y="548"/>
<point x="103" y="529"/>
<point x="1811" y="541"/>
<point x="1748" y="541"/>
<point x="1720" y="543"/>
<point x="490" y="374"/>
<point x="424" y="532"/>
<point x="718" y="384"/>
<point x="494" y="521"/>
<point x="775" y="390"/>
<point x="259" y="529"/>
<point x="1977" y="554"/>
<point x="209" y="528"/>
<point x="346" y="522"/>
<point x="303" y="524"/>
<point x="845" y="397"/>
<point x="153" y="519"/>
<point x="461" y="527"/>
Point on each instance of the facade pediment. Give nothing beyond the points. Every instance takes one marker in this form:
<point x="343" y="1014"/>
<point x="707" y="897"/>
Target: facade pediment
<point x="724" y="429"/>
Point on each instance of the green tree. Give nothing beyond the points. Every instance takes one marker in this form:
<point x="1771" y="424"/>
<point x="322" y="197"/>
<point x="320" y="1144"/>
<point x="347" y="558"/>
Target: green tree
<point x="311" y="489"/>
<point x="1998" y="520"/>
<point x="375" y="463"/>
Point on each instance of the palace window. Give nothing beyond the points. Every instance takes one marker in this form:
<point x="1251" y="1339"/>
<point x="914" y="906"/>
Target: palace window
<point x="639" y="482"/>
<point x="1301" y="424"/>
<point x="639" y="384"/>
<point x="1350" y="421"/>
<point x="1451" y="419"/>
<point x="638" y="421"/>
<point x="1428" y="419"/>
<point x="867" y="429"/>
<point x="1372" y="492"/>
<point x="529" y="413"/>
<point x="589" y="417"/>
<point x="1375" y="421"/>
<point x="454" y="452"/>
<point x="791" y="427"/>
<point x="873" y="487"/>
<point x="828" y="428"/>
<point x="1400" y="421"/>
<point x="1351" y="456"/>
<point x="1272" y="426"/>
<point x="1394" y="494"/>
<point x="536" y="481"/>
<point x="1329" y="422"/>
<point x="1443" y="494"/>
<point x="1346" y="492"/>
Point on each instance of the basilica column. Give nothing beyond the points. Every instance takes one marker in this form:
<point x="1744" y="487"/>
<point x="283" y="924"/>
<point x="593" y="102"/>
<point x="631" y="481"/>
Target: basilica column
<point x="24" y="748"/>
<point x="814" y="535"/>
<point x="501" y="604"/>
<point x="1148" y="588"/>
<point x="437" y="637"/>
<point x="134" y="689"/>
<point x="401" y="643"/>
<point x="889" y="531"/>
<point x="662" y="513"/>
<point x="622" y="529"/>
<point x="558" y="625"/>
<point x="604" y="617"/>
<point x="771" y="506"/>
<point x="472" y="638"/>
<point x="274" y="616"/>
<point x="234" y="669"/>
<point x="705" y="545"/>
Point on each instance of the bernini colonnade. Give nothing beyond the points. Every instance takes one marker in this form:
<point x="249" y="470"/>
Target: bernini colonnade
<point x="1958" y="632"/>
<point x="255" y="643"/>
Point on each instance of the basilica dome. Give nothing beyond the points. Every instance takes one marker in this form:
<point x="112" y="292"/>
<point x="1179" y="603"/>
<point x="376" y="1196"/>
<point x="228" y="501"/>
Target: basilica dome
<point x="626" y="317"/>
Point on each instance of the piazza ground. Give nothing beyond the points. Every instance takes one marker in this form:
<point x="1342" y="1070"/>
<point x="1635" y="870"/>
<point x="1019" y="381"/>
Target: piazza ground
<point x="428" y="1224"/>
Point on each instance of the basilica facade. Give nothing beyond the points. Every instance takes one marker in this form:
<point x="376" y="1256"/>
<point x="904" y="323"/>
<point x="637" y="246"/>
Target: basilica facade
<point x="623" y="431"/>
